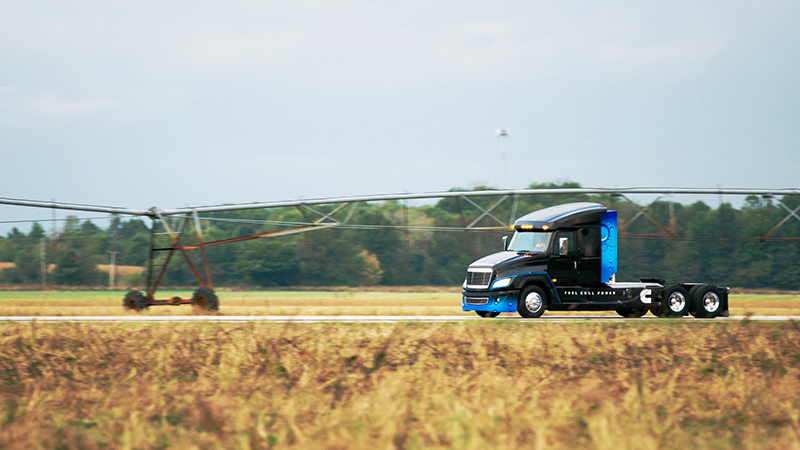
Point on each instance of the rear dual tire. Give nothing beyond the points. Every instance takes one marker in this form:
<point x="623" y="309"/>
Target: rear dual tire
<point x="707" y="301"/>
<point x="676" y="302"/>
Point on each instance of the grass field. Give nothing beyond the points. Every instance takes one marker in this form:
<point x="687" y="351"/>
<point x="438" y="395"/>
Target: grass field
<point x="473" y="385"/>
<point x="405" y="301"/>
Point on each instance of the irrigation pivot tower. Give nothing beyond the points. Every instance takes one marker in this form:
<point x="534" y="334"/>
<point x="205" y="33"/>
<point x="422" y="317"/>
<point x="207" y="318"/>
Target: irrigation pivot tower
<point x="339" y="211"/>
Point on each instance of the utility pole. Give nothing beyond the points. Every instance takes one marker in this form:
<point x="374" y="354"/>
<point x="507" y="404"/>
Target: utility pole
<point x="53" y="225"/>
<point x="503" y="134"/>
<point x="112" y="269"/>
<point x="405" y="218"/>
<point x="42" y="246"/>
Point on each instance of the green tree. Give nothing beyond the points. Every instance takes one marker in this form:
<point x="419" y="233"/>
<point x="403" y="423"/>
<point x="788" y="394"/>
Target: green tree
<point x="329" y="258"/>
<point x="25" y="251"/>
<point x="76" y="269"/>
<point x="269" y="262"/>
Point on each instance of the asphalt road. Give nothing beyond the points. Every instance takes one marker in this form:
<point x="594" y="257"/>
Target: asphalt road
<point x="361" y="319"/>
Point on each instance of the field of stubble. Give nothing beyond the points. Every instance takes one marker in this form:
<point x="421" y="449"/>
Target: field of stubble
<point x="475" y="385"/>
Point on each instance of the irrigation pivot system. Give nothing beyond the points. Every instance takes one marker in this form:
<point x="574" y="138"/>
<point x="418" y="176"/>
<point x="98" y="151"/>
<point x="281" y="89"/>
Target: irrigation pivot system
<point x="174" y="223"/>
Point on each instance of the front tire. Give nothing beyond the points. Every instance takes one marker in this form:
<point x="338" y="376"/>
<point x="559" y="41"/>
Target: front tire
<point x="532" y="302"/>
<point x="487" y="314"/>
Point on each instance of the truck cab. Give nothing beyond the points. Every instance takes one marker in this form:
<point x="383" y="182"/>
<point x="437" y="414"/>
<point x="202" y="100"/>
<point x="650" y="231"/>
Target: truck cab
<point x="565" y="258"/>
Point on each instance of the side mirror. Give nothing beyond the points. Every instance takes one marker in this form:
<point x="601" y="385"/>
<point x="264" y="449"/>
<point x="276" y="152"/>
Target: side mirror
<point x="563" y="246"/>
<point x="505" y="243"/>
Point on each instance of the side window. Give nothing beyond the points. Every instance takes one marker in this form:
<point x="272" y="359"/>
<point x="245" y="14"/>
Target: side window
<point x="589" y="241"/>
<point x="564" y="243"/>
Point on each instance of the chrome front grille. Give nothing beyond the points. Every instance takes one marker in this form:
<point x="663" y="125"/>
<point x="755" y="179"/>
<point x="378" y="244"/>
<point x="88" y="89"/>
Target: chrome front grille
<point x="476" y="300"/>
<point x="478" y="278"/>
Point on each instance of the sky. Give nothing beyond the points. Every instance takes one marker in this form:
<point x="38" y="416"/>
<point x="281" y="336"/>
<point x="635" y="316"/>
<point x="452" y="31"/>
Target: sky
<point x="140" y="104"/>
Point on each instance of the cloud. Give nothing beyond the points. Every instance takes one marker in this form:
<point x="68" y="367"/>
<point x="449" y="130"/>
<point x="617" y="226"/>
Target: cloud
<point x="47" y="104"/>
<point x="414" y="78"/>
<point x="66" y="108"/>
<point x="371" y="48"/>
<point x="154" y="47"/>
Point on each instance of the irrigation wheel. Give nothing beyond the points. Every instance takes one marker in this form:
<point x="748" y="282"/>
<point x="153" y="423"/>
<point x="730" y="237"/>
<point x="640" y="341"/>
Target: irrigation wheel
<point x="135" y="300"/>
<point x="205" y="298"/>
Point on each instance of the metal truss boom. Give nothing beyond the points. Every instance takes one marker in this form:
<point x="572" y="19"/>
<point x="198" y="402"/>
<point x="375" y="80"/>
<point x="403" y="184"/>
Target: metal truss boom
<point x="174" y="221"/>
<point x="77" y="207"/>
<point x="154" y="212"/>
<point x="485" y="193"/>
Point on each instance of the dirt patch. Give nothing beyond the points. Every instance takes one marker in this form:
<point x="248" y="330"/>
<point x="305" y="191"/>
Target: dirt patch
<point x="121" y="270"/>
<point x="762" y="291"/>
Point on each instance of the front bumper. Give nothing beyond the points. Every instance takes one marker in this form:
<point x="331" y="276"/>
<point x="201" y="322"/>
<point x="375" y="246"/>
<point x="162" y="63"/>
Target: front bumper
<point x="492" y="301"/>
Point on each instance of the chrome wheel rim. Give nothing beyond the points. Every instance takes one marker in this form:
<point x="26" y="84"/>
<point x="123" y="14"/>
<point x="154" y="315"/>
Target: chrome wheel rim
<point x="676" y="302"/>
<point x="710" y="302"/>
<point x="533" y="302"/>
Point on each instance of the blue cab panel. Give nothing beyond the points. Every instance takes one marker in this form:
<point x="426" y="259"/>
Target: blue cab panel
<point x="608" y="246"/>
<point x="502" y="303"/>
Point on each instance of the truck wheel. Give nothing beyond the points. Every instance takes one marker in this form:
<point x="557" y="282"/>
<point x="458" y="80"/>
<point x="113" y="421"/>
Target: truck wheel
<point x="532" y="302"/>
<point x="706" y="300"/>
<point x="205" y="298"/>
<point x="676" y="302"/>
<point x="631" y="313"/>
<point x="487" y="314"/>
<point x="692" y="293"/>
<point x="135" y="300"/>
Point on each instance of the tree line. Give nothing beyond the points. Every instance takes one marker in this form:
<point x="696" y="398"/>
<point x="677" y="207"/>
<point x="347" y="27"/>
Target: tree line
<point x="682" y="242"/>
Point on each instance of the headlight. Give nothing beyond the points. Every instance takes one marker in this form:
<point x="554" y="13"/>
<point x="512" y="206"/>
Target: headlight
<point x="464" y="286"/>
<point x="501" y="283"/>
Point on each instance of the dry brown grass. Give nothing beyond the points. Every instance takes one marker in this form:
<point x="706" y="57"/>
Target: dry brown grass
<point x="118" y="270"/>
<point x="121" y="271"/>
<point x="474" y="385"/>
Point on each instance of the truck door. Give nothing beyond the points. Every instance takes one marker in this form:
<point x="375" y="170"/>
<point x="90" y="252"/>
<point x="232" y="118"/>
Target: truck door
<point x="588" y="241"/>
<point x="563" y="265"/>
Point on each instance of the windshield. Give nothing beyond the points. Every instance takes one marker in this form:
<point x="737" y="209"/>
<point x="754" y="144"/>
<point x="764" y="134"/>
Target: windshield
<point x="529" y="242"/>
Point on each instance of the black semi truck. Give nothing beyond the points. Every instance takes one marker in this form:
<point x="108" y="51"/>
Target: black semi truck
<point x="564" y="258"/>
